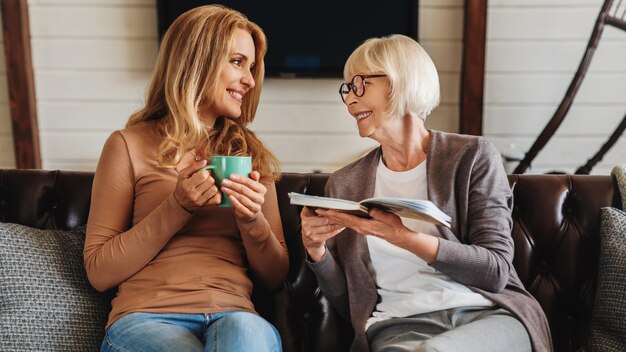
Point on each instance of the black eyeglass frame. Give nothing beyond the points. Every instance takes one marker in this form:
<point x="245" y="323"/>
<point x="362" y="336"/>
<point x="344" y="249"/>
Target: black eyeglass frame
<point x="352" y="87"/>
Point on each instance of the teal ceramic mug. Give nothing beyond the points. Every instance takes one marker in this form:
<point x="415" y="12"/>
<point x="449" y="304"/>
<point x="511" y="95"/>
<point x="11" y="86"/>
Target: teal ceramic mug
<point x="222" y="166"/>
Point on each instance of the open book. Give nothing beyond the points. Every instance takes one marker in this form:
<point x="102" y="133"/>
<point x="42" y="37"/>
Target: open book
<point x="423" y="210"/>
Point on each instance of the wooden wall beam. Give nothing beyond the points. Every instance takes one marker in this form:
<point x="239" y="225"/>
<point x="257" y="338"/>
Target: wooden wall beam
<point x="473" y="67"/>
<point x="21" y="83"/>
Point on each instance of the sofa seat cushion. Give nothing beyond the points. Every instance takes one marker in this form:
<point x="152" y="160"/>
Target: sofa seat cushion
<point x="46" y="301"/>
<point x="608" y="323"/>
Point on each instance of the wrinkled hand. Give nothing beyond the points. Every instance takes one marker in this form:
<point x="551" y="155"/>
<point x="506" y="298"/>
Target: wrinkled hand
<point x="246" y="194"/>
<point x="316" y="230"/>
<point x="196" y="189"/>
<point x="383" y="224"/>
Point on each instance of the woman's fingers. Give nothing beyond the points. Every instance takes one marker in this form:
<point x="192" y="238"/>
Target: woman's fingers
<point x="249" y="188"/>
<point x="240" y="209"/>
<point x="248" y="193"/>
<point x="318" y="229"/>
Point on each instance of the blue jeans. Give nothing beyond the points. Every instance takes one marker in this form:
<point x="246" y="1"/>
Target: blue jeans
<point x="226" y="331"/>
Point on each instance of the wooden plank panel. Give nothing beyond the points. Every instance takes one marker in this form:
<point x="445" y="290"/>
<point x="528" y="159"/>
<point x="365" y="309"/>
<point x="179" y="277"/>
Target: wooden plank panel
<point x="68" y="3"/>
<point x="542" y="23"/>
<point x="80" y="145"/>
<point x="99" y="22"/>
<point x="90" y="165"/>
<point x="271" y="117"/>
<point x="534" y="88"/>
<point x="85" y="116"/>
<point x="444" y="118"/>
<point x="93" y="103"/>
<point x="563" y="150"/>
<point x="305" y="118"/>
<point x="5" y="120"/>
<point x="292" y="148"/>
<point x="445" y="54"/>
<point x="553" y="56"/>
<point x="530" y="120"/>
<point x="316" y="118"/>
<point x="99" y="85"/>
<point x="449" y="85"/>
<point x="539" y="169"/>
<point x="92" y="53"/>
<point x="70" y="165"/>
<point x="440" y="3"/>
<point x="306" y="168"/>
<point x="4" y="88"/>
<point x="7" y="157"/>
<point x="317" y="149"/>
<point x="128" y="86"/>
<point x="545" y="3"/>
<point x="441" y="23"/>
<point x="278" y="90"/>
<point x="3" y="64"/>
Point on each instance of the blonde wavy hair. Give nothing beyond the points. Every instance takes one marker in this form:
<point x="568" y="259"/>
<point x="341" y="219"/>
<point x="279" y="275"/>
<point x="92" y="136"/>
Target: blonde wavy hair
<point x="193" y="52"/>
<point x="411" y="72"/>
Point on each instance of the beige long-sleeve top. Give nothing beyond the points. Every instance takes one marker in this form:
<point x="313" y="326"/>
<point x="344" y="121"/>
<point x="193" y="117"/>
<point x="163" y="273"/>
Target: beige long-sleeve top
<point x="162" y="258"/>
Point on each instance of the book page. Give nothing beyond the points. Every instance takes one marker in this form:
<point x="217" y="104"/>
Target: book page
<point x="324" y="202"/>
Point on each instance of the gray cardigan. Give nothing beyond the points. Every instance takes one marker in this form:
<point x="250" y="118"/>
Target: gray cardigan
<point x="467" y="181"/>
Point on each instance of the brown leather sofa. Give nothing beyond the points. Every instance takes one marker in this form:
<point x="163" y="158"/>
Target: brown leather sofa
<point x="556" y="254"/>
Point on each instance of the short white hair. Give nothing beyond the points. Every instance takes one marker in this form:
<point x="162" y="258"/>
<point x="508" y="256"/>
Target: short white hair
<point x="411" y="72"/>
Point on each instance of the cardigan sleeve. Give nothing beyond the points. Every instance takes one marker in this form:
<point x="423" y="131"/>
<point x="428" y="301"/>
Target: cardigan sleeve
<point x="332" y="282"/>
<point x="330" y="275"/>
<point x="485" y="259"/>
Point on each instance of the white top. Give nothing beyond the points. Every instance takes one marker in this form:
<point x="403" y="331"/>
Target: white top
<point x="407" y="285"/>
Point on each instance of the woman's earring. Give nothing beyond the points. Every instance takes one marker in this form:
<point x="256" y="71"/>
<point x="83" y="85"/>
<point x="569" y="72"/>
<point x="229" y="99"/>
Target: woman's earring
<point x="198" y="157"/>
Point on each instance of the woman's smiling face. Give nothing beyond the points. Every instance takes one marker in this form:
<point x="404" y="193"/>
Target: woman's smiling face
<point x="371" y="109"/>
<point x="236" y="79"/>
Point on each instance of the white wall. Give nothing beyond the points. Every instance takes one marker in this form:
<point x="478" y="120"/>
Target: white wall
<point x="92" y="60"/>
<point x="533" y="50"/>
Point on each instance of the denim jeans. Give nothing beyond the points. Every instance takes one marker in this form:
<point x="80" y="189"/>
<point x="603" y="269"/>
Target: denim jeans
<point x="226" y="331"/>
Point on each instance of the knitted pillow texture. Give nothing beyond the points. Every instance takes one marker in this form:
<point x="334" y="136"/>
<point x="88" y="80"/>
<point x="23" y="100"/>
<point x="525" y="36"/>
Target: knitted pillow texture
<point x="608" y="323"/>
<point x="619" y="174"/>
<point x="46" y="301"/>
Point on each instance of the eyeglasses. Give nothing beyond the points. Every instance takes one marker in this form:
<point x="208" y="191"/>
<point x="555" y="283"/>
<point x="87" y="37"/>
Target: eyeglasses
<point x="356" y="85"/>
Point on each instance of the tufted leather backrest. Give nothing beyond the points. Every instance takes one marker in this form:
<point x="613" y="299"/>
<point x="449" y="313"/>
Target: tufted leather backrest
<point x="556" y="226"/>
<point x="557" y="246"/>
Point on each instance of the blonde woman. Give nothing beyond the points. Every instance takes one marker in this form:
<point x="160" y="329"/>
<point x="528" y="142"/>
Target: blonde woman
<point x="180" y="263"/>
<point x="407" y="285"/>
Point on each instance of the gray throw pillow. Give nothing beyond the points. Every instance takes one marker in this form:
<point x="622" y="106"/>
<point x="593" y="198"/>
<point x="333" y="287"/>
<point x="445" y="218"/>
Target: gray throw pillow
<point x="46" y="302"/>
<point x="619" y="174"/>
<point x="608" y="323"/>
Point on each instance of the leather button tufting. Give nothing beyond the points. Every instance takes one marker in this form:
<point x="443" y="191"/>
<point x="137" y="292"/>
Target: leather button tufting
<point x="306" y="316"/>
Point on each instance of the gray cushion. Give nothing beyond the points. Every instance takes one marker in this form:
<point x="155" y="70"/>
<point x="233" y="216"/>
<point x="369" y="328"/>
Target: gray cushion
<point x="619" y="173"/>
<point x="46" y="302"/>
<point x="608" y="324"/>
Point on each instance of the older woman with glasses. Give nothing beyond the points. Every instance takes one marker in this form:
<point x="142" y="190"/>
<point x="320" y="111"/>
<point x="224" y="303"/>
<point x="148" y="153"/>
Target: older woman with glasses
<point x="407" y="285"/>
